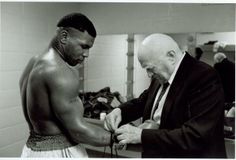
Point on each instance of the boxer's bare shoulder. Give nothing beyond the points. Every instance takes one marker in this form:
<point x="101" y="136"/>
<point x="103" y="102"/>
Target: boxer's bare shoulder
<point x="49" y="83"/>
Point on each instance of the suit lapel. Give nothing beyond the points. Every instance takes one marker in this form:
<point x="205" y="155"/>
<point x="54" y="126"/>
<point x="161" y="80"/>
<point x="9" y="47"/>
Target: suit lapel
<point x="152" y="94"/>
<point x="176" y="86"/>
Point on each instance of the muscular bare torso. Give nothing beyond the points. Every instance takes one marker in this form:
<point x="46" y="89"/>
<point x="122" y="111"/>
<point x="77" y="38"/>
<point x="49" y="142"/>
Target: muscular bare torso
<point x="37" y="87"/>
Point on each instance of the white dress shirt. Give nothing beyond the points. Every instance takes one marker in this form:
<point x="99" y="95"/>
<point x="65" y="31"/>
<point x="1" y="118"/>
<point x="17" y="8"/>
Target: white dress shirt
<point x="157" y="114"/>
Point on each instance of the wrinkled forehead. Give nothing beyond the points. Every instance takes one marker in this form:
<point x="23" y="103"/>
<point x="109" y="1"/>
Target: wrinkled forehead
<point x="160" y="43"/>
<point x="145" y="56"/>
<point x="150" y="52"/>
<point x="144" y="51"/>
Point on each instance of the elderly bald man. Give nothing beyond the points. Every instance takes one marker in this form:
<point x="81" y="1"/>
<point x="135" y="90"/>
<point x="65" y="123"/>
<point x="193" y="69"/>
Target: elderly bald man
<point x="182" y="110"/>
<point x="218" y="57"/>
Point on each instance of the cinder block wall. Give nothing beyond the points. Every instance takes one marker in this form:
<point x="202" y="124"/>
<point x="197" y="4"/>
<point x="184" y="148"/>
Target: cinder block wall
<point x="106" y="65"/>
<point x="23" y="34"/>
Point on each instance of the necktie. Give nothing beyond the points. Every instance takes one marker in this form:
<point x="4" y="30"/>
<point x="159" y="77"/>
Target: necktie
<point x="165" y="85"/>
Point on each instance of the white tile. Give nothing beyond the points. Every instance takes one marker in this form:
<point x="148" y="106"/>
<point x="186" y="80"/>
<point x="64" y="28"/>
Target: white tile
<point x="94" y="74"/>
<point x="99" y="61"/>
<point x="99" y="72"/>
<point x="9" y="98"/>
<point x="96" y="85"/>
<point x="119" y="71"/>
<point x="12" y="23"/>
<point x="11" y="42"/>
<point x="12" y="7"/>
<point x="1" y="59"/>
<point x="13" y="61"/>
<point x="10" y="135"/>
<point x="37" y="9"/>
<point x="35" y="26"/>
<point x="106" y="64"/>
<point x="11" y="116"/>
<point x="9" y="80"/>
<point x="120" y="60"/>
<point x="13" y="150"/>
<point x="35" y="45"/>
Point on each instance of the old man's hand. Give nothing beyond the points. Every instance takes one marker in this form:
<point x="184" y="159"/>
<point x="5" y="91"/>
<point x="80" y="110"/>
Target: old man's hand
<point x="128" y="134"/>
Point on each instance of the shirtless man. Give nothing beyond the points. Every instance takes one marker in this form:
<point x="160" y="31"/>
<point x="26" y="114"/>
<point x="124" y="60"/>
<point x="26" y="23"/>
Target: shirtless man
<point x="49" y="89"/>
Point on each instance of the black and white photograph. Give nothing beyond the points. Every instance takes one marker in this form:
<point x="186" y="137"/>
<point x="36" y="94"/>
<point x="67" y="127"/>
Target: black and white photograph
<point x="117" y="79"/>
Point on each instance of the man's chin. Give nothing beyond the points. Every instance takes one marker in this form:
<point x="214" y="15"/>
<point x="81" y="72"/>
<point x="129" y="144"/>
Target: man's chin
<point x="74" y="63"/>
<point x="161" y="80"/>
<point x="79" y="61"/>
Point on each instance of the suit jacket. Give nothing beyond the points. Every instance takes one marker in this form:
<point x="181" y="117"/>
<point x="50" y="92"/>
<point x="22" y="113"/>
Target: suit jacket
<point x="192" y="117"/>
<point x="226" y="70"/>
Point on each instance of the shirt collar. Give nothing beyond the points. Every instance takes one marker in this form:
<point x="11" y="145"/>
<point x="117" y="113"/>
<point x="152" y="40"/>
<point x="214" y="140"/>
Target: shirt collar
<point x="176" y="69"/>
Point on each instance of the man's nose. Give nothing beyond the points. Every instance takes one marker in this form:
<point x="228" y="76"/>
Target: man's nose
<point x="86" y="53"/>
<point x="150" y="74"/>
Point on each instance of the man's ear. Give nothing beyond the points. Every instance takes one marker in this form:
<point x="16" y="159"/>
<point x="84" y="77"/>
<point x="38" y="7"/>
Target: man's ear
<point x="171" y="55"/>
<point x="64" y="36"/>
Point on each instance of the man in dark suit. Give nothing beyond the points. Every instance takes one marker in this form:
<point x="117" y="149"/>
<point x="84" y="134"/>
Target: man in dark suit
<point x="187" y="119"/>
<point x="226" y="70"/>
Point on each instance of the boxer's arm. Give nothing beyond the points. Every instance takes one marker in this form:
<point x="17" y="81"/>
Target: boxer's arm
<point x="68" y="108"/>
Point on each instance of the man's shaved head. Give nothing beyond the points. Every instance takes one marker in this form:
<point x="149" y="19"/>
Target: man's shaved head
<point x="218" y="57"/>
<point x="157" y="44"/>
<point x="159" y="54"/>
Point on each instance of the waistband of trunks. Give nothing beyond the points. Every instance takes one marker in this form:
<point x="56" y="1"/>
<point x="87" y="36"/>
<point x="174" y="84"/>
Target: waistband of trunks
<point x="39" y="142"/>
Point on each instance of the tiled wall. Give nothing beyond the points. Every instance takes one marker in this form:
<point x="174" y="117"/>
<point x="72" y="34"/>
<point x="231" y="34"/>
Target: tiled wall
<point x="106" y="65"/>
<point x="161" y="17"/>
<point x="22" y="35"/>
